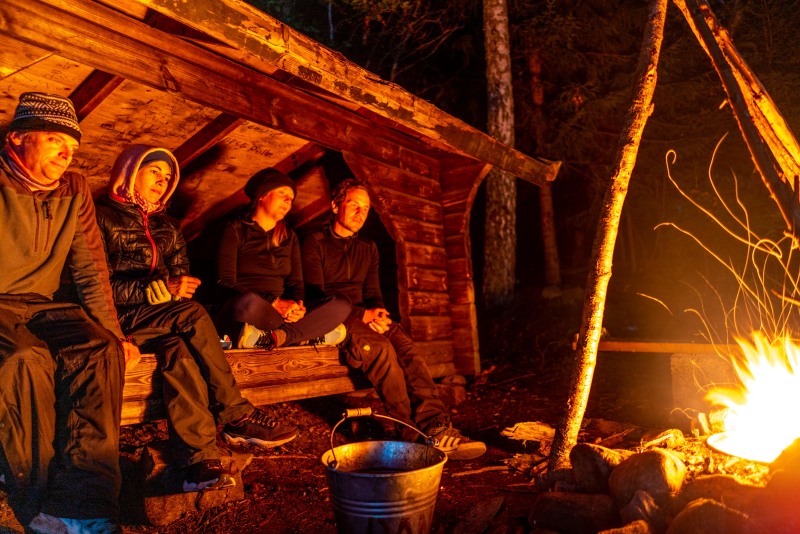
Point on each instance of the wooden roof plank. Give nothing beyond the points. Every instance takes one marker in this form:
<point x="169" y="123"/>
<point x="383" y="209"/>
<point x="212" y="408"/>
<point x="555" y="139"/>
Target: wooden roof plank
<point x="268" y="43"/>
<point x="96" y="36"/>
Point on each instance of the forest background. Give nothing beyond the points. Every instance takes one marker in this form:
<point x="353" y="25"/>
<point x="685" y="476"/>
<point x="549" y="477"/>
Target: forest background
<point x="573" y="73"/>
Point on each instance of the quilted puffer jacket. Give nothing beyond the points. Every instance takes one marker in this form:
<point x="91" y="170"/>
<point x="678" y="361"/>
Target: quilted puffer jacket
<point x="140" y="247"/>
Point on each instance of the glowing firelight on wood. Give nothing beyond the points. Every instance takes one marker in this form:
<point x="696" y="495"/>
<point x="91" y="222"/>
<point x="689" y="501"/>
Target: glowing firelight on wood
<point x="762" y="413"/>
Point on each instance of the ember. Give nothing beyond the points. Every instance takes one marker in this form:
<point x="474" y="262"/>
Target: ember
<point x="756" y="423"/>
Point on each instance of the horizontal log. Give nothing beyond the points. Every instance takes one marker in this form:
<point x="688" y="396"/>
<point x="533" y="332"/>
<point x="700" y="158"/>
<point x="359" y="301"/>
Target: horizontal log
<point x="420" y="278"/>
<point x="417" y="231"/>
<point x="436" y="352"/>
<point x="663" y="347"/>
<point x="459" y="268"/>
<point x="462" y="292"/>
<point x="428" y="303"/>
<point x="430" y="328"/>
<point x="411" y="206"/>
<point x="421" y="255"/>
<point x="379" y="173"/>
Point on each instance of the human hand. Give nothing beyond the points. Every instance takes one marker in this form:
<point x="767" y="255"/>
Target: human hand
<point x="284" y="307"/>
<point x="132" y="354"/>
<point x="183" y="286"/>
<point x="296" y="313"/>
<point x="157" y="292"/>
<point x="378" y="319"/>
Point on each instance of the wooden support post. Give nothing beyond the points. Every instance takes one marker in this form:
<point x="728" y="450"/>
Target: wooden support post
<point x="603" y="251"/>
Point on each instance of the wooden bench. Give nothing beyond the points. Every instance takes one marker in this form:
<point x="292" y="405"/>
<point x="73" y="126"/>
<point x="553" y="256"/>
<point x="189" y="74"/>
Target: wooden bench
<point x="693" y="367"/>
<point x="264" y="377"/>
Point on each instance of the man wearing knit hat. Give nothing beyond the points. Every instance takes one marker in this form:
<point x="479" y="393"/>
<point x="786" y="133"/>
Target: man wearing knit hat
<point x="61" y="364"/>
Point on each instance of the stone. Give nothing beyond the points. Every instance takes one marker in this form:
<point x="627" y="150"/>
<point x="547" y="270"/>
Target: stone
<point x="775" y="510"/>
<point x="721" y="488"/>
<point x="642" y="507"/>
<point x="574" y="513"/>
<point x="704" y="516"/>
<point x="637" y="527"/>
<point x="480" y="515"/>
<point x="163" y="500"/>
<point x="451" y="395"/>
<point x="592" y="465"/>
<point x="658" y="472"/>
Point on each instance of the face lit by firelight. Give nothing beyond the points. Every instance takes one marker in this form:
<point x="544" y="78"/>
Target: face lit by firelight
<point x="352" y="213"/>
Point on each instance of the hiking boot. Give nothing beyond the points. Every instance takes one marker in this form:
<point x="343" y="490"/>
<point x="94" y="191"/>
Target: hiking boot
<point x="206" y="475"/>
<point x="50" y="524"/>
<point x="456" y="446"/>
<point x="257" y="428"/>
<point x="255" y="338"/>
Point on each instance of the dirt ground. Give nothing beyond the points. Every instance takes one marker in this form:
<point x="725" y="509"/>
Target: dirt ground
<point x="526" y="359"/>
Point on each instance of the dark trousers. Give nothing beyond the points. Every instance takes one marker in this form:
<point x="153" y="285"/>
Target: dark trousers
<point x="196" y="375"/>
<point x="60" y="399"/>
<point x="397" y="371"/>
<point x="319" y="320"/>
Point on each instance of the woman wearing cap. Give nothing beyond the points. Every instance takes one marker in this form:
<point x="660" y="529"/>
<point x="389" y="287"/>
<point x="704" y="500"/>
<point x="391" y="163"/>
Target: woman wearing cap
<point x="152" y="288"/>
<point x="260" y="273"/>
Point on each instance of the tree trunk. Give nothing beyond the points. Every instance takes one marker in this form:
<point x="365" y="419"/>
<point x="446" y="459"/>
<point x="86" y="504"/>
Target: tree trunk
<point x="552" y="265"/>
<point x="603" y="250"/>
<point x="500" y="250"/>
<point x="773" y="147"/>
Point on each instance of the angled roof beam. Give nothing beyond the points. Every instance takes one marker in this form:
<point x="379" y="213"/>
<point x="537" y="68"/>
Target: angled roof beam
<point x="92" y="91"/>
<point x="208" y="136"/>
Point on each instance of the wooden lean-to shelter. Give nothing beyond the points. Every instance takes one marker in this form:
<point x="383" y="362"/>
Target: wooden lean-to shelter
<point x="232" y="90"/>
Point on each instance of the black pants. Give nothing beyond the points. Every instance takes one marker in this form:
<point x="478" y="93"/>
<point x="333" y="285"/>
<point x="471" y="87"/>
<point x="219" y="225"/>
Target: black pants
<point x="197" y="377"/>
<point x="61" y="380"/>
<point x="318" y="321"/>
<point x="397" y="371"/>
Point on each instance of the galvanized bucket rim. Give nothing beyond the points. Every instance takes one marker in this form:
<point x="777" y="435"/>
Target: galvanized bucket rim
<point x="330" y="456"/>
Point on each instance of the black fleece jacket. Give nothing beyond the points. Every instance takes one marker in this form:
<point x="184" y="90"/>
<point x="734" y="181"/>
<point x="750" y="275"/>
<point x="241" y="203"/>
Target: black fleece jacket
<point x="248" y="261"/>
<point x="347" y="266"/>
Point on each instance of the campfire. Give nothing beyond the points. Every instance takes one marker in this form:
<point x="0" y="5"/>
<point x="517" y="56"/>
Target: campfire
<point x="755" y="411"/>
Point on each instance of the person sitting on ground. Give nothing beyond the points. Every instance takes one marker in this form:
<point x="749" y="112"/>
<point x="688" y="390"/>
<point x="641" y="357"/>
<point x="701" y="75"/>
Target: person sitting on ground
<point x="337" y="261"/>
<point x="260" y="274"/>
<point x="61" y="364"/>
<point x="153" y="293"/>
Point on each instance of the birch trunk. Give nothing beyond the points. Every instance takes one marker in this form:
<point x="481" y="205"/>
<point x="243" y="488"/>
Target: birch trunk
<point x="500" y="250"/>
<point x="772" y="145"/>
<point x="603" y="249"/>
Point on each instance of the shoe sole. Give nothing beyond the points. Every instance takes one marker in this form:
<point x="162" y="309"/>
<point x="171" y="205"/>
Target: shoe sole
<point x="225" y="481"/>
<point x="236" y="440"/>
<point x="468" y="452"/>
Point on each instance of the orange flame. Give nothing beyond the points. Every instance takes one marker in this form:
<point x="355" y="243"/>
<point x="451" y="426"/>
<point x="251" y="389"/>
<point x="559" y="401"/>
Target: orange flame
<point x="762" y="412"/>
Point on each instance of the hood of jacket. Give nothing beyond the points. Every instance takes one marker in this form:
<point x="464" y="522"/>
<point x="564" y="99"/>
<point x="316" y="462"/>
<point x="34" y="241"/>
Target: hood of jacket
<point x="123" y="174"/>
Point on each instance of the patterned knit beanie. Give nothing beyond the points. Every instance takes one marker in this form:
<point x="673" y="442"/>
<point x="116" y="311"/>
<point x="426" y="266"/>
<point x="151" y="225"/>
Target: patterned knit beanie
<point x="45" y="113"/>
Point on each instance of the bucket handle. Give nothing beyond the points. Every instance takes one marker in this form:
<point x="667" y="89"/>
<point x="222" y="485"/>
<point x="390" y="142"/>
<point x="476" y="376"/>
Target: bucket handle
<point x="367" y="412"/>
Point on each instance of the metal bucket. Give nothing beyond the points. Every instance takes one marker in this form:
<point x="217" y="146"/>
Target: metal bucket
<point x="383" y="487"/>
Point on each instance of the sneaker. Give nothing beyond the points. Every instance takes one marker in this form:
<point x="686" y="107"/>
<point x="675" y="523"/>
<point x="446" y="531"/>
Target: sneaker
<point x="332" y="338"/>
<point x="456" y="446"/>
<point x="255" y="338"/>
<point x="206" y="475"/>
<point x="335" y="336"/>
<point x="50" y="524"/>
<point x="257" y="428"/>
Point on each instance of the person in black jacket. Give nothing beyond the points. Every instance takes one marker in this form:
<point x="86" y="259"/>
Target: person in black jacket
<point x="260" y="274"/>
<point x="153" y="292"/>
<point x="337" y="261"/>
